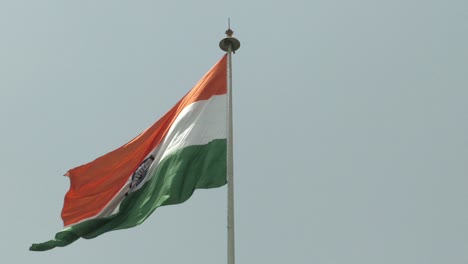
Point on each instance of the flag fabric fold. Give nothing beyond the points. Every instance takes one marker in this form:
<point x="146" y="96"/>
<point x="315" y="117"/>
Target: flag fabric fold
<point x="183" y="151"/>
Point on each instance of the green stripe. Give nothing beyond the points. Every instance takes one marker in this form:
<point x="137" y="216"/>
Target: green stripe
<point x="177" y="177"/>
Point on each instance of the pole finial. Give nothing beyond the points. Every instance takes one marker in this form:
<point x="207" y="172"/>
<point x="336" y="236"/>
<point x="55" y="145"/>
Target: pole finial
<point x="229" y="44"/>
<point x="229" y="31"/>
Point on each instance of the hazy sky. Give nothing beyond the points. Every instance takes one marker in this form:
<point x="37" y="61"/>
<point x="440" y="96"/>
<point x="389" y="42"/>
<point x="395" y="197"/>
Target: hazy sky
<point x="351" y="132"/>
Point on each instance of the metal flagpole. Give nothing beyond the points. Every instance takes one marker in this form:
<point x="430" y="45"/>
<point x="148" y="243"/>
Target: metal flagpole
<point x="230" y="45"/>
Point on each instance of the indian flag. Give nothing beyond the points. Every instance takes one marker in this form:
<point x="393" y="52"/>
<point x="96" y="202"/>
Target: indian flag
<point x="183" y="151"/>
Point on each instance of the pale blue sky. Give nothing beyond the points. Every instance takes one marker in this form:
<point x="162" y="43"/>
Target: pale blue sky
<point x="351" y="132"/>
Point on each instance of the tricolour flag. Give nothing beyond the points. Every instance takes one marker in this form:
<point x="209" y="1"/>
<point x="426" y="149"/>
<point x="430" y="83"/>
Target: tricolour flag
<point x="183" y="151"/>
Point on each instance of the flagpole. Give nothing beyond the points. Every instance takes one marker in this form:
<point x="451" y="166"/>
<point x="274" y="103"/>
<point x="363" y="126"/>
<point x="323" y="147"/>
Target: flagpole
<point x="230" y="45"/>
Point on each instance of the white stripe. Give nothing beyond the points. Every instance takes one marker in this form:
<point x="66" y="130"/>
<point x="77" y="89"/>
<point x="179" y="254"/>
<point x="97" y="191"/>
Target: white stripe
<point x="197" y="124"/>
